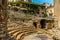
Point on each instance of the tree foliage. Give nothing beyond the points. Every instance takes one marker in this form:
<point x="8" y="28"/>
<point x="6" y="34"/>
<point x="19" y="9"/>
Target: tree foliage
<point x="28" y="5"/>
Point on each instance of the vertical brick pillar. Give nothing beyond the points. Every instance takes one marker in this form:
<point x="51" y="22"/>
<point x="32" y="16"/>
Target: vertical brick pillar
<point x="57" y="11"/>
<point x="3" y="20"/>
<point x="3" y="24"/>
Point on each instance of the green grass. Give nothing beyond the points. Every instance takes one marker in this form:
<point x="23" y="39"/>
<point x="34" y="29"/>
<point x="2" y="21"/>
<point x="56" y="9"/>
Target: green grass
<point x="28" y="17"/>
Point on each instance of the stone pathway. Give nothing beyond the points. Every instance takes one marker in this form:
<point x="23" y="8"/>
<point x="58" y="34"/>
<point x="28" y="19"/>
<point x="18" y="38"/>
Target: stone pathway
<point x="37" y="37"/>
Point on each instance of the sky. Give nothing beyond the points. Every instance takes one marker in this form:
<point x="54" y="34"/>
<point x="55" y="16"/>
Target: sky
<point x="43" y="1"/>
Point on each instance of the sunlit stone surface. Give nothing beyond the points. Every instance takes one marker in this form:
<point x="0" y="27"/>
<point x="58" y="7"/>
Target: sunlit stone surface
<point x="37" y="37"/>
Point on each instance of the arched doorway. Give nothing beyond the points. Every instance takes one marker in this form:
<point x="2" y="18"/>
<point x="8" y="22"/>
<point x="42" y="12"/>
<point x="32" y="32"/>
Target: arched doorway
<point x="43" y="23"/>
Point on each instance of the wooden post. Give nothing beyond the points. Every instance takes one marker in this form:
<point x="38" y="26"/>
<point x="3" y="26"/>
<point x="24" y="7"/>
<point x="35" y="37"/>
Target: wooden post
<point x="3" y="19"/>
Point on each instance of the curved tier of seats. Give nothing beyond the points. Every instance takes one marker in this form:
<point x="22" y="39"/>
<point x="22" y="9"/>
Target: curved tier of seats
<point x="19" y="33"/>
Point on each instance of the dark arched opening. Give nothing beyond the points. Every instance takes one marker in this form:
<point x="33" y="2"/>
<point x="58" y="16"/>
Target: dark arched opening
<point x="43" y="23"/>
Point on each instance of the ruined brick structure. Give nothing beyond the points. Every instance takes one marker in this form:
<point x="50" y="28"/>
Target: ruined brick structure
<point x="3" y="19"/>
<point x="57" y="10"/>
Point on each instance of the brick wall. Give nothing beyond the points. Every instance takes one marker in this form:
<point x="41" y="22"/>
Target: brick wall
<point x="3" y="19"/>
<point x="57" y="11"/>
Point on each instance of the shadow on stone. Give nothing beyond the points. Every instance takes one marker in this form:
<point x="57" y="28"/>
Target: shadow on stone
<point x="10" y="38"/>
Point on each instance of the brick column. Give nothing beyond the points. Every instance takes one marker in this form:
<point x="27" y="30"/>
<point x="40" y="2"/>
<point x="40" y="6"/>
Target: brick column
<point x="57" y="11"/>
<point x="3" y="24"/>
<point x="3" y="20"/>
